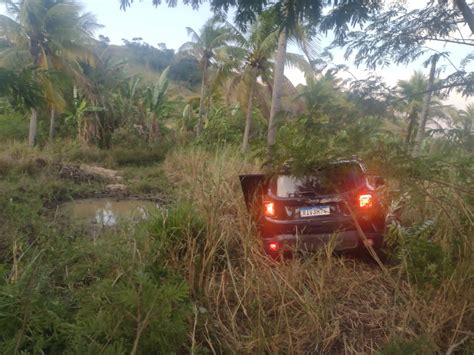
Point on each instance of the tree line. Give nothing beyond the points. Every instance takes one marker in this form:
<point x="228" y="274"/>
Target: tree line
<point x="51" y="63"/>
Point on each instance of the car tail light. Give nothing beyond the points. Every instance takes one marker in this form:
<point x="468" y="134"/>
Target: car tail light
<point x="269" y="208"/>
<point x="365" y="201"/>
<point x="273" y="247"/>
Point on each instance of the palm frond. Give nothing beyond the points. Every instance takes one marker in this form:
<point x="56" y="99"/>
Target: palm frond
<point x="195" y="37"/>
<point x="268" y="45"/>
<point x="298" y="61"/>
<point x="237" y="36"/>
<point x="220" y="38"/>
<point x="12" y="31"/>
<point x="309" y="45"/>
<point x="14" y="57"/>
<point x="73" y="53"/>
<point x="52" y="91"/>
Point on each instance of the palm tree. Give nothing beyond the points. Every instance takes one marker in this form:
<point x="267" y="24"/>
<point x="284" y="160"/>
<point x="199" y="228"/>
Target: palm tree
<point x="323" y="92"/>
<point x="212" y="37"/>
<point x="102" y="111"/>
<point x="466" y="119"/>
<point x="254" y="56"/>
<point x="156" y="104"/>
<point x="289" y="14"/>
<point x="421" y="104"/>
<point x="128" y="103"/>
<point x="57" y="37"/>
<point x="464" y="123"/>
<point x="307" y="14"/>
<point x="420" y="134"/>
<point x="411" y="92"/>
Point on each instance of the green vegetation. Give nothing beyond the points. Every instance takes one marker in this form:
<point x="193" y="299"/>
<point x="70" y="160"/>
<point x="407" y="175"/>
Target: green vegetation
<point x="178" y="128"/>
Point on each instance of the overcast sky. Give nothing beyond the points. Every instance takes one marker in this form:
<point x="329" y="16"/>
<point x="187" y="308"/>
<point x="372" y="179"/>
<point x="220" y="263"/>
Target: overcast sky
<point x="168" y="25"/>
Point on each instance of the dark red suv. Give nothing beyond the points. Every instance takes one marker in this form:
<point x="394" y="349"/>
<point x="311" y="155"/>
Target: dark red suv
<point x="334" y="202"/>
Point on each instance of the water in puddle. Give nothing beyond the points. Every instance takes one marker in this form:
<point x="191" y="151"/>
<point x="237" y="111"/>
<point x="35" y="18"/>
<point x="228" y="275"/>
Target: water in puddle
<point x="108" y="212"/>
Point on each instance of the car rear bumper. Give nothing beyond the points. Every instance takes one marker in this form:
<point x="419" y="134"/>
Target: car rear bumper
<point x="344" y="240"/>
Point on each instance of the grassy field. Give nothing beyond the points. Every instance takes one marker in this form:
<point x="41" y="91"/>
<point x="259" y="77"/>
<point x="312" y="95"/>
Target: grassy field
<point x="193" y="278"/>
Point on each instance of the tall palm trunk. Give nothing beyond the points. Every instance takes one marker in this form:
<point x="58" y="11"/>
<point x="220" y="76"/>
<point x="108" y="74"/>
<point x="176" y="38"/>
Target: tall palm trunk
<point x="203" y="97"/>
<point x="34" y="50"/>
<point x="277" y="87"/>
<point x="420" y="135"/>
<point x="33" y="127"/>
<point x="52" y="124"/>
<point x="249" y="119"/>
<point x="411" y="125"/>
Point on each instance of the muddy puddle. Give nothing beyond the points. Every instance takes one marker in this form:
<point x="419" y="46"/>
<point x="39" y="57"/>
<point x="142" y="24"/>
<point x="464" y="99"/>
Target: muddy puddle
<point x="108" y="212"/>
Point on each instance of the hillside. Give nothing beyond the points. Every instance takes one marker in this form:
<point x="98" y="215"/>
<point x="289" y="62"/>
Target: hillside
<point x="148" y="62"/>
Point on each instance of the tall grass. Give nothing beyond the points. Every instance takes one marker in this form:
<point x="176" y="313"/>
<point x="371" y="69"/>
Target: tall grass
<point x="193" y="278"/>
<point x="247" y="304"/>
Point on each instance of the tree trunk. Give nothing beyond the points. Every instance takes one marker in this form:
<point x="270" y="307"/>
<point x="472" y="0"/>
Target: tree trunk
<point x="411" y="126"/>
<point x="277" y="88"/>
<point x="152" y="135"/>
<point x="34" y="51"/>
<point x="33" y="127"/>
<point x="420" y="135"/>
<point x="52" y="125"/>
<point x="203" y="97"/>
<point x="467" y="13"/>
<point x="248" y="121"/>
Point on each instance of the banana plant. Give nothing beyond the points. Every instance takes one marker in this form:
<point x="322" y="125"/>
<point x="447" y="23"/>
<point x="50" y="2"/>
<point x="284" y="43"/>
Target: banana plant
<point x="157" y="105"/>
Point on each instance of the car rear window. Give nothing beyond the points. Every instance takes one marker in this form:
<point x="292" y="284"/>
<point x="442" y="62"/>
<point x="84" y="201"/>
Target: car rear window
<point x="335" y="178"/>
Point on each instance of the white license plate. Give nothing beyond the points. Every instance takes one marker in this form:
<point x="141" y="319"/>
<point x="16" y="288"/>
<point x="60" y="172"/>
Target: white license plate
<point x="315" y="211"/>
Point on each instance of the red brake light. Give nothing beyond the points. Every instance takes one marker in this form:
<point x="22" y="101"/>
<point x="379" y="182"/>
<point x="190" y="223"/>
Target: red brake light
<point x="365" y="201"/>
<point x="273" y="246"/>
<point x="269" y="209"/>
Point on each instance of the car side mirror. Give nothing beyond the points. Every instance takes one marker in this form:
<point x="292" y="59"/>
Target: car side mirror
<point x="379" y="181"/>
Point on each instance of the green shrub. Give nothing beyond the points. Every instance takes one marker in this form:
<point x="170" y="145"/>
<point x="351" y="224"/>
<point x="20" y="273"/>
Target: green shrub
<point x="424" y="260"/>
<point x="85" y="154"/>
<point x="13" y="126"/>
<point x="171" y="228"/>
<point x="142" y="155"/>
<point x="401" y="347"/>
<point x="70" y="294"/>
<point x="143" y="303"/>
<point x="225" y="125"/>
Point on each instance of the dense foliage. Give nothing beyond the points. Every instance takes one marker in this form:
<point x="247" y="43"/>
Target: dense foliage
<point x="180" y="127"/>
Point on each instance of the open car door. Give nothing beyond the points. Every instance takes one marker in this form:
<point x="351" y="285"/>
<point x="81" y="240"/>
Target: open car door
<point x="254" y="187"/>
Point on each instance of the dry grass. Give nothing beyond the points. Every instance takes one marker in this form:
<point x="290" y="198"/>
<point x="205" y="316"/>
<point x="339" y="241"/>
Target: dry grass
<point x="245" y="303"/>
<point x="18" y="158"/>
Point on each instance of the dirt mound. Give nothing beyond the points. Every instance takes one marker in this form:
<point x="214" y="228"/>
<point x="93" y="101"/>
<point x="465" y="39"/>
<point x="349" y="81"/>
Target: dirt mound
<point x="106" y="174"/>
<point x="86" y="173"/>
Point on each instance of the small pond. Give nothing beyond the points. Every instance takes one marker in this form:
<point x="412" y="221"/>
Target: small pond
<point x="108" y="212"/>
